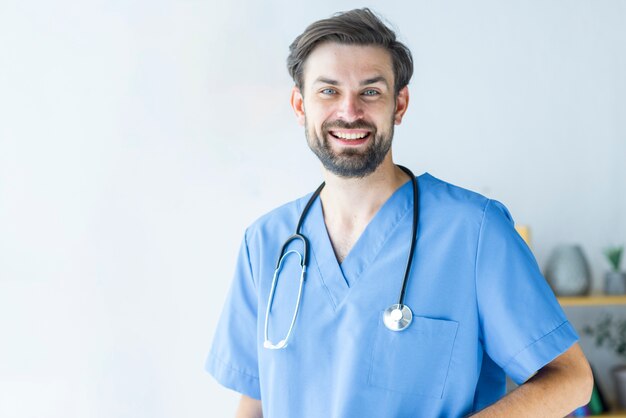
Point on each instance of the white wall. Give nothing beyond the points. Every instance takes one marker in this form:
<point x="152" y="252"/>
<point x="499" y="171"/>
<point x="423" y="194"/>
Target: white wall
<point x="139" y="138"/>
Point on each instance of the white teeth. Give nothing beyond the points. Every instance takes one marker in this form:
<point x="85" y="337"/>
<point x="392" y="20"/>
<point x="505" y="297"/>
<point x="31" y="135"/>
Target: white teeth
<point x="350" y="136"/>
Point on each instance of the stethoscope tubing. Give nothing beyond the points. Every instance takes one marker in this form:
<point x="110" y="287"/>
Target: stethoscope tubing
<point x="397" y="317"/>
<point x="416" y="209"/>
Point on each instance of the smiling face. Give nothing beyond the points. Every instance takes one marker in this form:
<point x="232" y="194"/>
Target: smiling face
<point x="348" y="107"/>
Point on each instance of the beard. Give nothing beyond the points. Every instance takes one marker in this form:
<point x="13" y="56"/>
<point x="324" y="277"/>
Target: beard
<point x="350" y="163"/>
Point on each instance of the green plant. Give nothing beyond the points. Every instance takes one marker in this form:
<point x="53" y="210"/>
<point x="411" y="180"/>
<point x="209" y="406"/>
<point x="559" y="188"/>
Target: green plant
<point x="614" y="256"/>
<point x="609" y="332"/>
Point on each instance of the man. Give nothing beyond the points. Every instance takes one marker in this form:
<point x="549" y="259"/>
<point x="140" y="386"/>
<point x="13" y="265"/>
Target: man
<point x="480" y="307"/>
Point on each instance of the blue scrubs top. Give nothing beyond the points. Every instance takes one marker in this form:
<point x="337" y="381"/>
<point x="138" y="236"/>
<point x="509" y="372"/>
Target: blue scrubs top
<point x="480" y="304"/>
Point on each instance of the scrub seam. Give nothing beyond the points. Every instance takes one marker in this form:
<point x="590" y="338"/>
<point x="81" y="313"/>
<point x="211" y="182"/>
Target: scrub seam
<point x="478" y="242"/>
<point x="369" y="372"/>
<point x="245" y="240"/>
<point x="512" y="359"/>
<point x="228" y="366"/>
<point x="392" y="229"/>
<point x="319" y="272"/>
<point x="445" y="381"/>
<point x="326" y="289"/>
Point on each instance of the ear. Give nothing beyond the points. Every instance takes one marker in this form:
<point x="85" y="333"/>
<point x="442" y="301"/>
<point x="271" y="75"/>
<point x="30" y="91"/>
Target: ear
<point x="297" y="103"/>
<point x="402" y="103"/>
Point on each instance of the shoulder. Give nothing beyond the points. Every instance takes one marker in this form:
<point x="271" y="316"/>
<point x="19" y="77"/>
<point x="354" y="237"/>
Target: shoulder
<point x="277" y="222"/>
<point x="449" y="196"/>
<point x="455" y="205"/>
<point x="449" y="193"/>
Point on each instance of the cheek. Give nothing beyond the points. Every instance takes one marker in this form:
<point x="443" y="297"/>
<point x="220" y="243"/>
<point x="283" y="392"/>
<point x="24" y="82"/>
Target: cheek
<point x="318" y="110"/>
<point x="317" y="117"/>
<point x="314" y="120"/>
<point x="386" y="117"/>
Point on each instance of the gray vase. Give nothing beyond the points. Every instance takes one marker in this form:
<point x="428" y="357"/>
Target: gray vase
<point x="615" y="283"/>
<point x="567" y="271"/>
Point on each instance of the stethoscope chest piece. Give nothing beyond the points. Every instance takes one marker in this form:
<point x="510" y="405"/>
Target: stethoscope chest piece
<point x="397" y="317"/>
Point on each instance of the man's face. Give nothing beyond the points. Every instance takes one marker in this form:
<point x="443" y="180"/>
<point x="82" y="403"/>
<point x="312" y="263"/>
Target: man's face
<point x="348" y="107"/>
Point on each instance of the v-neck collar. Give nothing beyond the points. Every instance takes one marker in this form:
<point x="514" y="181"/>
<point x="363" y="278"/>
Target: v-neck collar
<point x="338" y="279"/>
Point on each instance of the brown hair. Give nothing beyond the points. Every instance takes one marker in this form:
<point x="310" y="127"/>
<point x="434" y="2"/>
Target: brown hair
<point x="355" y="27"/>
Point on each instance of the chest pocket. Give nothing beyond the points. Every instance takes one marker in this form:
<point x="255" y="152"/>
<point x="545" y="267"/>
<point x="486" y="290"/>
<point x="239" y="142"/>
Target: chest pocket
<point x="416" y="360"/>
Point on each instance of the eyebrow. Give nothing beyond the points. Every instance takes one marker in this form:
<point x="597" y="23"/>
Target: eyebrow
<point x="374" y="80"/>
<point x="325" y="80"/>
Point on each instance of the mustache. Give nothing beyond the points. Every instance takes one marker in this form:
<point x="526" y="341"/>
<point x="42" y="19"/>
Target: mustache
<point x="340" y="124"/>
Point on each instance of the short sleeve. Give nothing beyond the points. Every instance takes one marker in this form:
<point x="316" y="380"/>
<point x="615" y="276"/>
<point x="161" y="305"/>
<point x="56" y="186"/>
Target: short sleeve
<point x="233" y="356"/>
<point x="523" y="326"/>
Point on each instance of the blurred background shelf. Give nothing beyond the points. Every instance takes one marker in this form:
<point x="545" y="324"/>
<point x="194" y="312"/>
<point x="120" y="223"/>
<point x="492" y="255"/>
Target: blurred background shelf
<point x="594" y="300"/>
<point x="604" y="303"/>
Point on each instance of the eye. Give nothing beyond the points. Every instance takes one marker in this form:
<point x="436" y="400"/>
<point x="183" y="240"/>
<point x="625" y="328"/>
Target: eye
<point x="328" y="91"/>
<point x="371" y="92"/>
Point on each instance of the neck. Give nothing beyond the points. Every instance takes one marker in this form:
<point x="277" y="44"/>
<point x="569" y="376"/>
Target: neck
<point x="356" y="200"/>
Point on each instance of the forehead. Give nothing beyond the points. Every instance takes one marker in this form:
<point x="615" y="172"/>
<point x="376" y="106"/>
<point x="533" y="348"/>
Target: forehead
<point x="348" y="63"/>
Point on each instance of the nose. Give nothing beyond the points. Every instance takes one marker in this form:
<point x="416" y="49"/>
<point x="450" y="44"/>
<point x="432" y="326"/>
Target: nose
<point x="350" y="108"/>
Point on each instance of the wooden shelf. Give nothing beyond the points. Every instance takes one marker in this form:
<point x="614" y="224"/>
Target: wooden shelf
<point x="593" y="300"/>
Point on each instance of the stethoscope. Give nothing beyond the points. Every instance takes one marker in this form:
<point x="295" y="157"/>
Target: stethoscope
<point x="396" y="317"/>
